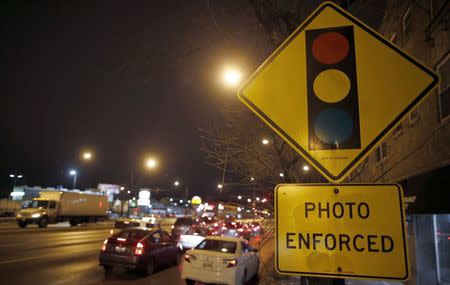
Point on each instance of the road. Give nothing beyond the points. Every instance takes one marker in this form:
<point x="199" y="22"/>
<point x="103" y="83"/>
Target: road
<point x="64" y="256"/>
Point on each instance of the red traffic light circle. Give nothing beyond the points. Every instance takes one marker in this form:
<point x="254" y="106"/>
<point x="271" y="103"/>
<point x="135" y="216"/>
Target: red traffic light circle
<point x="330" y="47"/>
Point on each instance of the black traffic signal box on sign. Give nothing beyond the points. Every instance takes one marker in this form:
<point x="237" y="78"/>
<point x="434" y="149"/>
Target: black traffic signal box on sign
<point x="333" y="113"/>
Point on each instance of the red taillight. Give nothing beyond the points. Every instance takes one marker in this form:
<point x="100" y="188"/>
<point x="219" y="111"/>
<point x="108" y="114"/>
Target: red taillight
<point x="189" y="257"/>
<point x="104" y="245"/>
<point x="230" y="262"/>
<point x="139" y="249"/>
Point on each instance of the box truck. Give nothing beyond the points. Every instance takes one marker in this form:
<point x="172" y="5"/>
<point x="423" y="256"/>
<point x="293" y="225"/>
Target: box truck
<point x="58" y="206"/>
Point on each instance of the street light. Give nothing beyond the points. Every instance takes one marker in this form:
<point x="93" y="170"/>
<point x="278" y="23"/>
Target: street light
<point x="74" y="174"/>
<point x="249" y="200"/>
<point x="176" y="183"/>
<point x="15" y="179"/>
<point x="239" y="197"/>
<point x="151" y="163"/>
<point x="281" y="174"/>
<point x="87" y="155"/>
<point x="305" y="168"/>
<point x="122" y="188"/>
<point x="219" y="186"/>
<point x="232" y="77"/>
<point x="265" y="141"/>
<point x="252" y="179"/>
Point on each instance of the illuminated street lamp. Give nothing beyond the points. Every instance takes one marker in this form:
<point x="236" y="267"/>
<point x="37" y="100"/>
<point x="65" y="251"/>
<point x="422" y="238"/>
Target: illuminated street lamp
<point x="219" y="186"/>
<point x="87" y="155"/>
<point x="122" y="188"/>
<point x="128" y="192"/>
<point x="176" y="183"/>
<point x="73" y="172"/>
<point x="239" y="197"/>
<point x="151" y="163"/>
<point x="15" y="177"/>
<point x="265" y="141"/>
<point x="305" y="168"/>
<point x="257" y="199"/>
<point x="232" y="77"/>
<point x="252" y="179"/>
<point x="281" y="174"/>
<point x="249" y="200"/>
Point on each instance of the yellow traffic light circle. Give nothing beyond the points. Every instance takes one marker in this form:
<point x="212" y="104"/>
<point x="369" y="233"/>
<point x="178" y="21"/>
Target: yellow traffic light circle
<point x="331" y="85"/>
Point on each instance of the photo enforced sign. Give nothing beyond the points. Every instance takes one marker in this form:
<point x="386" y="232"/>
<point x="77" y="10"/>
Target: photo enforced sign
<point x="341" y="230"/>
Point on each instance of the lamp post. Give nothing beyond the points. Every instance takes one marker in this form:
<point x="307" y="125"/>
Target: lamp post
<point x="15" y="177"/>
<point x="73" y="172"/>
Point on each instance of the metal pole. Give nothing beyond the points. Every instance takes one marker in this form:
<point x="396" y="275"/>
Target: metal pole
<point x="74" y="181"/>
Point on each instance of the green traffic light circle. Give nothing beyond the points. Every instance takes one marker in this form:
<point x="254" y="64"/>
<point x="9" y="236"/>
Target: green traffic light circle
<point x="331" y="85"/>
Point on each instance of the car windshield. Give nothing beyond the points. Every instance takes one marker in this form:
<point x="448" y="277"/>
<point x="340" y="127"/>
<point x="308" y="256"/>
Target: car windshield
<point x="125" y="224"/>
<point x="217" y="245"/>
<point x="132" y="234"/>
<point x="38" y="204"/>
<point x="183" y="222"/>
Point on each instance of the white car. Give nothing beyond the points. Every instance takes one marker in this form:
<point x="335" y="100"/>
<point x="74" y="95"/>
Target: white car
<point x="222" y="260"/>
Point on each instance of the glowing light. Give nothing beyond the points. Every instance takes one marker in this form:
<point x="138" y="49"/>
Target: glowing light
<point x="239" y="197"/>
<point x="305" y="167"/>
<point x="232" y="77"/>
<point x="87" y="155"/>
<point x="281" y="174"/>
<point x="151" y="163"/>
<point x="176" y="183"/>
<point x="249" y="200"/>
<point x="73" y="172"/>
<point x="265" y="141"/>
<point x="220" y="186"/>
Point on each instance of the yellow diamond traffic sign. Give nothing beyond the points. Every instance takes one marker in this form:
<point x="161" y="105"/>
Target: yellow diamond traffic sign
<point x="341" y="230"/>
<point x="334" y="89"/>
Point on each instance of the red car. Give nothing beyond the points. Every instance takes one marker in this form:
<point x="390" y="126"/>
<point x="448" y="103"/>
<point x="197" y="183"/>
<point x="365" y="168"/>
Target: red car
<point x="141" y="249"/>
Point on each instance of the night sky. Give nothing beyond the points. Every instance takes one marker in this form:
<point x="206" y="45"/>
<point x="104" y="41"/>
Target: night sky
<point x="123" y="78"/>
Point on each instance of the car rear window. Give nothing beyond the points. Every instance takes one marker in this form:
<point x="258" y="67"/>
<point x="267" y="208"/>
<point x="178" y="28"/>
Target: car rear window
<point x="217" y="245"/>
<point x="183" y="222"/>
<point x="132" y="234"/>
<point x="125" y="224"/>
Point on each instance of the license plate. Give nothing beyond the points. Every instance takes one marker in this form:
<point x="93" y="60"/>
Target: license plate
<point x="207" y="265"/>
<point x="120" y="249"/>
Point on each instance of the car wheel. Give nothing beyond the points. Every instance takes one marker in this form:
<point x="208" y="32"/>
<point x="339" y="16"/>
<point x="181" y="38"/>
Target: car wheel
<point x="22" y="225"/>
<point x="107" y="267"/>
<point x="190" y="282"/>
<point x="150" y="267"/>
<point x="43" y="222"/>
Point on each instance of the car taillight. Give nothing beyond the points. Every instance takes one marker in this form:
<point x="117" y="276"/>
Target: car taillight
<point x="139" y="249"/>
<point x="230" y="262"/>
<point x="189" y="257"/>
<point x="104" y="245"/>
<point x="121" y="239"/>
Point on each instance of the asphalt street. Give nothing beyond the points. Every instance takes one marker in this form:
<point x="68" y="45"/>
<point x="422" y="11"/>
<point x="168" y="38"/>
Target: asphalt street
<point x="64" y="256"/>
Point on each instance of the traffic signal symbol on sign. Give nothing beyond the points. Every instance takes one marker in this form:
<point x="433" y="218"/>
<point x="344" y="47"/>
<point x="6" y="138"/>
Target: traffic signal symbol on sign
<point x="333" y="112"/>
<point x="335" y="89"/>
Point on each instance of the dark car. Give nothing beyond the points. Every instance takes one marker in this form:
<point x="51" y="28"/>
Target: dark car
<point x="181" y="226"/>
<point x="140" y="249"/>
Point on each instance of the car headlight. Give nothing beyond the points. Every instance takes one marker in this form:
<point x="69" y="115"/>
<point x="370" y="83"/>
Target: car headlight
<point x="37" y="215"/>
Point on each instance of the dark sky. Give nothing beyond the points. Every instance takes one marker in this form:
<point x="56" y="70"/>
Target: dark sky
<point x="123" y="78"/>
